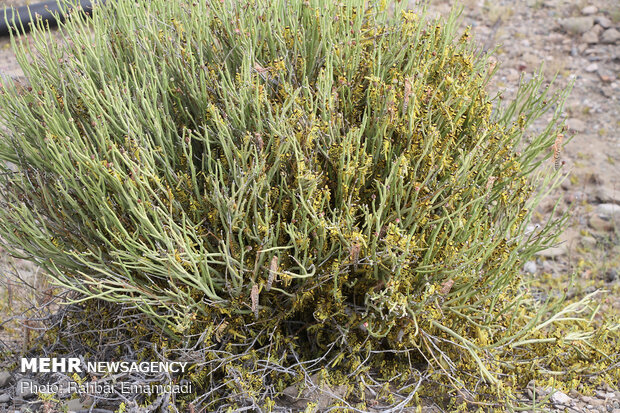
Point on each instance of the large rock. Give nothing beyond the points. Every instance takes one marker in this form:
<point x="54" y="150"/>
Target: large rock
<point x="577" y="25"/>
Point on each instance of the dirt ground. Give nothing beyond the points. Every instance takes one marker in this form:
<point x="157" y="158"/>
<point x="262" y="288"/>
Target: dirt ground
<point x="579" y="41"/>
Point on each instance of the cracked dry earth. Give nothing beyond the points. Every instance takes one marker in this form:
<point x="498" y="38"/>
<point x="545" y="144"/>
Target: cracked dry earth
<point x="579" y="40"/>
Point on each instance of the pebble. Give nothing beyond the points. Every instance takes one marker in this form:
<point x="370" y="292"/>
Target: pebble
<point x="5" y="378"/>
<point x="592" y="35"/>
<point x="530" y="267"/>
<point x="606" y="75"/>
<point x="589" y="37"/>
<point x="598" y="402"/>
<point x="589" y="10"/>
<point x="604" y="395"/>
<point x="611" y="276"/>
<point x="5" y="398"/>
<point x="593" y="67"/>
<point x="24" y="391"/>
<point x="599" y="224"/>
<point x="553" y="252"/>
<point x="608" y="210"/>
<point x="603" y="21"/>
<point x="74" y="405"/>
<point x="559" y="398"/>
<point x="572" y="197"/>
<point x="588" y="241"/>
<point x="574" y="394"/>
<point x="576" y="125"/>
<point x="577" y="25"/>
<point x="610" y="36"/>
<point x="607" y="195"/>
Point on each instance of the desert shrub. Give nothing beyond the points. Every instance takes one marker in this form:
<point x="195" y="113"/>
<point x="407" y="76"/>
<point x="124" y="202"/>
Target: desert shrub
<point x="305" y="185"/>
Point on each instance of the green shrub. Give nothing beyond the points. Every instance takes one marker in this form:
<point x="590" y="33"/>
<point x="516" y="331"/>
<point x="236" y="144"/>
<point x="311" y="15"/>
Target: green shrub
<point x="296" y="178"/>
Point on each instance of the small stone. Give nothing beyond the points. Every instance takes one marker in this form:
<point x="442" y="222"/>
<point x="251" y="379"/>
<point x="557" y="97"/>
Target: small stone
<point x="553" y="252"/>
<point x="574" y="394"/>
<point x="5" y="398"/>
<point x="74" y="405"/>
<point x="610" y="36"/>
<point x="589" y="10"/>
<point x="607" y="195"/>
<point x="592" y="67"/>
<point x="608" y="210"/>
<point x="572" y="197"/>
<point x="598" y="29"/>
<point x="592" y="35"/>
<point x="594" y="178"/>
<point x="608" y="92"/>
<point x="611" y="276"/>
<point x="606" y="75"/>
<point x="5" y="378"/>
<point x="589" y="37"/>
<point x="599" y="224"/>
<point x="566" y="183"/>
<point x="589" y="242"/>
<point x="598" y="401"/>
<point x="576" y="125"/>
<point x="577" y="25"/>
<point x="600" y="394"/>
<point x="559" y="398"/>
<point x="23" y="388"/>
<point x="530" y="267"/>
<point x="603" y="21"/>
